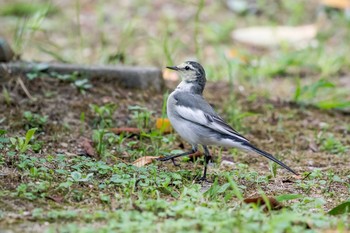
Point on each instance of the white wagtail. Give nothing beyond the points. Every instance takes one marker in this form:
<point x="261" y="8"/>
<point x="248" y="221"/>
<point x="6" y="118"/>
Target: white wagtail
<point x="197" y="122"/>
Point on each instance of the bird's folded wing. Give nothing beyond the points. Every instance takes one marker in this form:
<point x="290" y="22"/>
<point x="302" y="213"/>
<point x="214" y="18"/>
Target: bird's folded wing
<point x="207" y="119"/>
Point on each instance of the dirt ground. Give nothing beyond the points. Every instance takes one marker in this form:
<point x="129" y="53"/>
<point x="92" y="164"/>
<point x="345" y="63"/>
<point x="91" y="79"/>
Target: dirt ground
<point x="279" y="127"/>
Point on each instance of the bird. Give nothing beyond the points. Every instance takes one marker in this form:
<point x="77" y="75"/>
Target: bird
<point x="195" y="120"/>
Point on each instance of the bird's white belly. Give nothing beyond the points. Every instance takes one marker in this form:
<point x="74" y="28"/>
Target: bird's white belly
<point x="184" y="130"/>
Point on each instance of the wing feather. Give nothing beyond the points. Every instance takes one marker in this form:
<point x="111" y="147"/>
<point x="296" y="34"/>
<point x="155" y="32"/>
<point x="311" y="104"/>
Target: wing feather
<point x="211" y="121"/>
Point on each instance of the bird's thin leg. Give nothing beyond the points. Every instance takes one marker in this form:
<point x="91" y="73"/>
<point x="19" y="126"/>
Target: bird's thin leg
<point x="206" y="161"/>
<point x="172" y="157"/>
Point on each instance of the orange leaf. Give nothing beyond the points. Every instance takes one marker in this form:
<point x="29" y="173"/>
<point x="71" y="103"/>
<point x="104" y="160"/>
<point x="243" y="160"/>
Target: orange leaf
<point x="163" y="124"/>
<point x="194" y="156"/>
<point x="259" y="201"/>
<point x="58" y="199"/>
<point x="234" y="53"/>
<point x="88" y="149"/>
<point x="143" y="161"/>
<point x="340" y="4"/>
<point x="125" y="130"/>
<point x="170" y="75"/>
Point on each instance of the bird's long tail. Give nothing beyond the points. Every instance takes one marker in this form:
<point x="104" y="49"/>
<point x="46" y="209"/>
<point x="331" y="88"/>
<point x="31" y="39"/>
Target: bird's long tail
<point x="267" y="155"/>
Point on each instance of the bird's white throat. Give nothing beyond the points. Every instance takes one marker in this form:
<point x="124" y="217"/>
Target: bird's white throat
<point x="185" y="86"/>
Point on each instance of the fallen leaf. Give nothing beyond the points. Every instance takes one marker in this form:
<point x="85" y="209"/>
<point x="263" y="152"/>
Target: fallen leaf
<point x="170" y="75"/>
<point x="143" y="161"/>
<point x="269" y="37"/>
<point x="313" y="147"/>
<point x="259" y="201"/>
<point x="163" y="124"/>
<point x="339" y="4"/>
<point x="128" y="130"/>
<point x="70" y="154"/>
<point x="107" y="99"/>
<point x="343" y="208"/>
<point x="233" y="53"/>
<point x="58" y="199"/>
<point x="87" y="147"/>
<point x="226" y="164"/>
<point x="194" y="156"/>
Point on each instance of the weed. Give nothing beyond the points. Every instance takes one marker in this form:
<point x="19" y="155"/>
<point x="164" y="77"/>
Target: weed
<point x="120" y="56"/>
<point x="3" y="139"/>
<point x="331" y="144"/>
<point x="34" y="120"/>
<point x="21" y="144"/>
<point x="235" y="115"/>
<point x="78" y="177"/>
<point x="82" y="122"/>
<point x="32" y="191"/>
<point x="26" y="9"/>
<point x="80" y="82"/>
<point x="197" y="44"/>
<point x="103" y="114"/>
<point x="82" y="85"/>
<point x="98" y="138"/>
<point x="27" y="27"/>
<point x="76" y="79"/>
<point x="141" y="116"/>
<point x="322" y="93"/>
<point x="6" y="96"/>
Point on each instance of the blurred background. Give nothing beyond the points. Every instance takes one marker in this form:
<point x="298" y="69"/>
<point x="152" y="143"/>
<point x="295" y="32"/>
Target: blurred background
<point x="245" y="42"/>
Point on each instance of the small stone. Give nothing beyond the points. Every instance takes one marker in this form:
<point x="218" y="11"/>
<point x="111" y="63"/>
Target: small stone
<point x="6" y="53"/>
<point x="225" y="164"/>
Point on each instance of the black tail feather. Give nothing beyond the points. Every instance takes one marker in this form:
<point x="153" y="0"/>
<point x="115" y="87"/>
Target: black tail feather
<point x="269" y="156"/>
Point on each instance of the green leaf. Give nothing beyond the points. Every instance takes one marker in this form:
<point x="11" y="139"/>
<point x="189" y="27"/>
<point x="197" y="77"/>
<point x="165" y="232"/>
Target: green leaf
<point x="287" y="197"/>
<point x="105" y="198"/>
<point x="341" y="209"/>
<point x="76" y="176"/>
<point x="297" y="92"/>
<point x="2" y="132"/>
<point x="235" y="187"/>
<point x="13" y="141"/>
<point x="330" y="104"/>
<point x="29" y="135"/>
<point x="4" y="140"/>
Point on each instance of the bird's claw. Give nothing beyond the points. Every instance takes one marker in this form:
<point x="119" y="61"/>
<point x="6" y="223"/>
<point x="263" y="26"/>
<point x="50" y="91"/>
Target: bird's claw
<point x="203" y="180"/>
<point x="175" y="164"/>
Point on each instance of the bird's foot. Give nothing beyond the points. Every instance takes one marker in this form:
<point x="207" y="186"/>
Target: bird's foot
<point x="175" y="164"/>
<point x="203" y="179"/>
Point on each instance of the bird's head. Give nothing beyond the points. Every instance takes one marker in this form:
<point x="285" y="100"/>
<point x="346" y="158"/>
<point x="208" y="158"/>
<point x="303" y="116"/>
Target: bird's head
<point x="191" y="73"/>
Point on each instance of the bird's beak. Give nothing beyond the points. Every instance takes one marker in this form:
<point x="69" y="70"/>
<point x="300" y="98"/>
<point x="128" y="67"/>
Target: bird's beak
<point x="172" y="67"/>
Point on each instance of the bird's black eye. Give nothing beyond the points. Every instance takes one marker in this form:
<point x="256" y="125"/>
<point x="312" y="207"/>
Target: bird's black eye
<point x="187" y="67"/>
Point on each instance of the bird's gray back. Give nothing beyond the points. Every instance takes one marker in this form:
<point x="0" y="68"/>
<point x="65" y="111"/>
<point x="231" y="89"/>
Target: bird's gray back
<point x="192" y="108"/>
<point x="193" y="101"/>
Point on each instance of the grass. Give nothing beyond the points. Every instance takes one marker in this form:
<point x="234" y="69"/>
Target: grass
<point x="48" y="185"/>
<point x="26" y="9"/>
<point x="111" y="194"/>
<point x="131" y="199"/>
